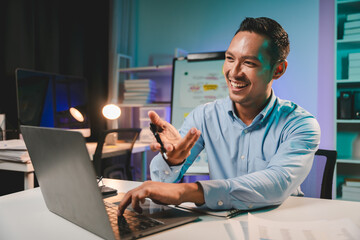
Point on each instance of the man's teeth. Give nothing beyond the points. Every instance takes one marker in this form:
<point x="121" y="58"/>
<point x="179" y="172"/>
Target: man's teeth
<point x="238" y="84"/>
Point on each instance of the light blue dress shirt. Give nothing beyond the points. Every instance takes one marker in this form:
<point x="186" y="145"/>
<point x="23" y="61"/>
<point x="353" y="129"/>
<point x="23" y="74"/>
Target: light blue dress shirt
<point x="250" y="166"/>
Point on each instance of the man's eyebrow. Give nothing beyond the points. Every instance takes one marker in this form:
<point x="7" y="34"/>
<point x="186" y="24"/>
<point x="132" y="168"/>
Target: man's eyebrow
<point x="244" y="57"/>
<point x="229" y="53"/>
<point x="250" y="57"/>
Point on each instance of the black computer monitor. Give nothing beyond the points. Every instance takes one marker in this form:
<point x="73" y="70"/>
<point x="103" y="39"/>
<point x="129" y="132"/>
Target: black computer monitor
<point x="52" y="100"/>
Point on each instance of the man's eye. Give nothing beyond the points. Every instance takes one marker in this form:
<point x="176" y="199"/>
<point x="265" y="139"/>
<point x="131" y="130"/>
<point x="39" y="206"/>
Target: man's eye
<point x="250" y="63"/>
<point x="228" y="58"/>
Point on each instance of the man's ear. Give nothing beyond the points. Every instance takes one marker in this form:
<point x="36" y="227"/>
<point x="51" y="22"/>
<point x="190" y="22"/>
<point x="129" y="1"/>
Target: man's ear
<point x="280" y="69"/>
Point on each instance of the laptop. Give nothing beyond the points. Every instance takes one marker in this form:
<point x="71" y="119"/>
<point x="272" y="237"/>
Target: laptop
<point x="68" y="184"/>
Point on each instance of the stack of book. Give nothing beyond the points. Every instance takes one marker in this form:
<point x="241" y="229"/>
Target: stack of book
<point x="354" y="65"/>
<point x="14" y="151"/>
<point x="352" y="27"/>
<point x="140" y="91"/>
<point x="351" y="189"/>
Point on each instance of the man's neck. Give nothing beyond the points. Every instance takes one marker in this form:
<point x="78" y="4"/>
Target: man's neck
<point x="248" y="113"/>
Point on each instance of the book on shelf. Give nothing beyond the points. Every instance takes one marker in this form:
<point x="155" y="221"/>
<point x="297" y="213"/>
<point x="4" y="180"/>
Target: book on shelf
<point x="139" y="91"/>
<point x="14" y="156"/>
<point x="352" y="37"/>
<point x="14" y="144"/>
<point x="354" y="71"/>
<point x="138" y="94"/>
<point x="354" y="63"/>
<point x="352" y="24"/>
<point x="354" y="56"/>
<point x="354" y="76"/>
<point x="351" y="189"/>
<point x="14" y="150"/>
<point x="139" y="83"/>
<point x="146" y="98"/>
<point x="352" y="31"/>
<point x="136" y="101"/>
<point x="351" y="193"/>
<point x="353" y="17"/>
<point x="352" y="182"/>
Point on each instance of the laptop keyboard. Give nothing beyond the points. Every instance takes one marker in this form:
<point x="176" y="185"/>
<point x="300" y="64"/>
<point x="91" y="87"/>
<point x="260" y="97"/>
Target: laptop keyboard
<point x="130" y="222"/>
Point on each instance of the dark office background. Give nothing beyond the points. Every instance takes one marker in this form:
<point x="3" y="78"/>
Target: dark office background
<point x="68" y="37"/>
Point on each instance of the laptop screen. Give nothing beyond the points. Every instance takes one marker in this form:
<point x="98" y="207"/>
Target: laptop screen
<point x="52" y="100"/>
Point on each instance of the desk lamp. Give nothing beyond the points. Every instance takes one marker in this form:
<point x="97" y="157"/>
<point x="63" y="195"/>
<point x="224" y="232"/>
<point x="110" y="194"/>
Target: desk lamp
<point x="111" y="112"/>
<point x="75" y="118"/>
<point x="75" y="113"/>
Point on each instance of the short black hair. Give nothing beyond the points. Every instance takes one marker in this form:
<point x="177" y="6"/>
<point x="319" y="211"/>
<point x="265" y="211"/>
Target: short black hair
<point x="280" y="44"/>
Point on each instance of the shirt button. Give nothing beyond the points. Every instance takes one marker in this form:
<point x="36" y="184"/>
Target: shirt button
<point x="220" y="203"/>
<point x="245" y="131"/>
<point x="176" y="171"/>
<point x="242" y="157"/>
<point x="166" y="172"/>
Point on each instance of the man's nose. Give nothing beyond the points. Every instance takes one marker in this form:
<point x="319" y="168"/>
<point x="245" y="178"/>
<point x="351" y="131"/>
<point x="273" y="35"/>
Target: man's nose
<point x="236" y="70"/>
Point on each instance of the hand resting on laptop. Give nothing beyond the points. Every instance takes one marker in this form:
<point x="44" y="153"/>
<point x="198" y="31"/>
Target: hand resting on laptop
<point x="162" y="193"/>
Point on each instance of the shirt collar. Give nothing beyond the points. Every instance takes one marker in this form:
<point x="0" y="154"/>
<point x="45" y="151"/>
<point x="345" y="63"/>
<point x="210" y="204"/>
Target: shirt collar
<point x="266" y="111"/>
<point x="230" y="107"/>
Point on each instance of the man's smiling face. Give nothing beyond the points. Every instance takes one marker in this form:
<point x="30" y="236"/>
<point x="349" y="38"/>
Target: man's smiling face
<point x="247" y="69"/>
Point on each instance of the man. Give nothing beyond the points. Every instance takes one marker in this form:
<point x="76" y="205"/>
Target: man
<point x="260" y="148"/>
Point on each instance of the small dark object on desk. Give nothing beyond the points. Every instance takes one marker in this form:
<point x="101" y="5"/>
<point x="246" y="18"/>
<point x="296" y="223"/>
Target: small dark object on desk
<point x="107" y="191"/>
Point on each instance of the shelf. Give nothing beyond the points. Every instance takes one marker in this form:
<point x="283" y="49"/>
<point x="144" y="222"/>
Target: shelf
<point x="346" y="130"/>
<point x="348" y="6"/>
<point x="348" y="44"/>
<point x="353" y="121"/>
<point x="145" y="105"/>
<point x="348" y="81"/>
<point x="146" y="69"/>
<point x="350" y="161"/>
<point x="153" y="72"/>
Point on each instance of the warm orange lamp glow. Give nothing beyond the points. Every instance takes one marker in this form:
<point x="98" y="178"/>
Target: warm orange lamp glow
<point x="111" y="111"/>
<point x="76" y="114"/>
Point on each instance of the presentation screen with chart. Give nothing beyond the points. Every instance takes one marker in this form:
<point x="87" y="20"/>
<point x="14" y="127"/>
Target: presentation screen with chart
<point x="197" y="79"/>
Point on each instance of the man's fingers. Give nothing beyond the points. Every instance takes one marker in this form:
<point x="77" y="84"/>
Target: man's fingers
<point x="124" y="203"/>
<point x="133" y="197"/>
<point x="135" y="203"/>
<point x="169" y="147"/>
<point x="189" y="140"/>
<point x="192" y="142"/>
<point x="155" y="146"/>
<point x="154" y="118"/>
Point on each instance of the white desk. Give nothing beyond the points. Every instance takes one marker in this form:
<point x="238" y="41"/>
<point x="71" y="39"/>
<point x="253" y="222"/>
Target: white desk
<point x="26" y="168"/>
<point x="108" y="151"/>
<point x="25" y="216"/>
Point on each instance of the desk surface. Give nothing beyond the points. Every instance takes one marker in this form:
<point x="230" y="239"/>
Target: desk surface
<point x="108" y="151"/>
<point x="118" y="149"/>
<point x="24" y="216"/>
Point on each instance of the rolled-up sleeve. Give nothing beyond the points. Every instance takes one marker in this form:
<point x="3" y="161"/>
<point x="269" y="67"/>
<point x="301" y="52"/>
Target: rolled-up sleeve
<point x="286" y="170"/>
<point x="161" y="171"/>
